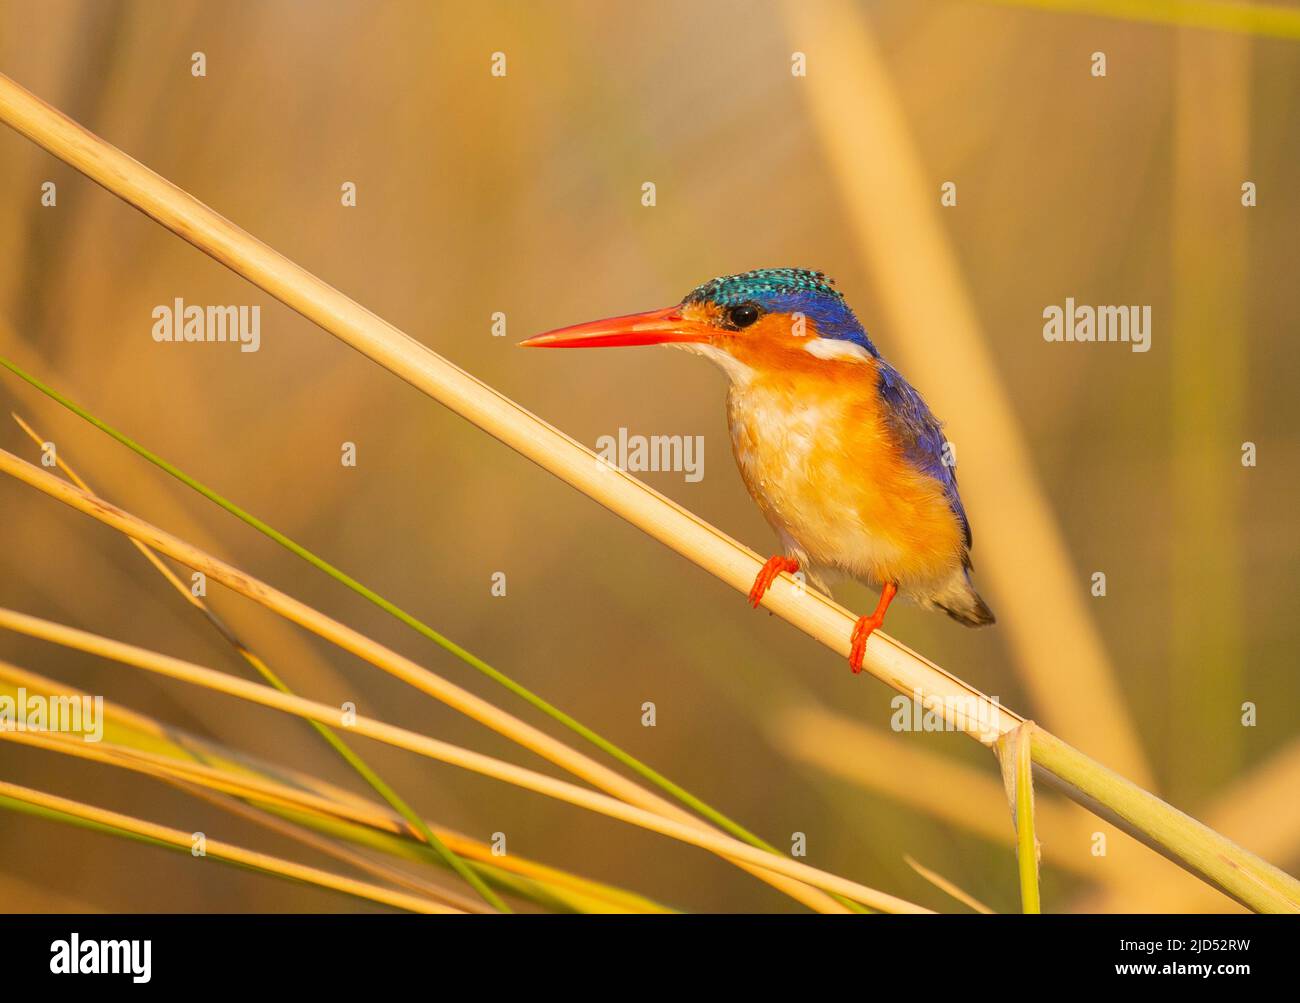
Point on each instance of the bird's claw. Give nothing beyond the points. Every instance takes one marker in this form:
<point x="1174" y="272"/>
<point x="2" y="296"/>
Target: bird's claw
<point x="867" y="625"/>
<point x="773" y="567"/>
<point x="862" y="630"/>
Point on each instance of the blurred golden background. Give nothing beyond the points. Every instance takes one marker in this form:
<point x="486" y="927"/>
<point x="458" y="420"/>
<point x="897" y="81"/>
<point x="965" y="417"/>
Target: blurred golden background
<point x="522" y="194"/>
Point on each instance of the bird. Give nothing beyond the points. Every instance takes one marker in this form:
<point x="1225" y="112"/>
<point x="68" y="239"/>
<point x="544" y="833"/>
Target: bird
<point x="843" y="456"/>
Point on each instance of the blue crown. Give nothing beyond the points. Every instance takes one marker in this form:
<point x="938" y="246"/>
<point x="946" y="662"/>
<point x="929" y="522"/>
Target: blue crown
<point x="788" y="290"/>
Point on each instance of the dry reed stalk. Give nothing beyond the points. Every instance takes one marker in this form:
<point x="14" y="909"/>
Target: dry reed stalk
<point x="171" y="509"/>
<point x="203" y="781"/>
<point x="946" y="886"/>
<point x="384" y="658"/>
<point x="215" y="790"/>
<point x="454" y="755"/>
<point x="1260" y="811"/>
<point x="339" y="850"/>
<point x="183" y="771"/>
<point x="255" y="661"/>
<point x="1018" y="776"/>
<point x="1242" y="875"/>
<point x="311" y="797"/>
<point x="219" y="850"/>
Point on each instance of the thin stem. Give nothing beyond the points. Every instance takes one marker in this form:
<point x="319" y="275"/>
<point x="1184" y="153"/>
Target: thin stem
<point x="1026" y="833"/>
<point x="361" y="823"/>
<point x="327" y="733"/>
<point x="605" y="745"/>
<point x="88" y="816"/>
<point x="389" y="661"/>
<point x="431" y="748"/>
<point x="1253" y="882"/>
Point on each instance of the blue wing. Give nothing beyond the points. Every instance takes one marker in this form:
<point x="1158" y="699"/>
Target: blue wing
<point x="921" y="435"/>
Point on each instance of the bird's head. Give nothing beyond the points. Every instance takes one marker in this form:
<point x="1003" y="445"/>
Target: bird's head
<point x="767" y="319"/>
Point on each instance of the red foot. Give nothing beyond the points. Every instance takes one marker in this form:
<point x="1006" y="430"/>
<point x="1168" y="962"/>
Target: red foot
<point x="773" y="567"/>
<point x="867" y="624"/>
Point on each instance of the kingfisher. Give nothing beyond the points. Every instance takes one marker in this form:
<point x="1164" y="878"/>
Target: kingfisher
<point x="842" y="455"/>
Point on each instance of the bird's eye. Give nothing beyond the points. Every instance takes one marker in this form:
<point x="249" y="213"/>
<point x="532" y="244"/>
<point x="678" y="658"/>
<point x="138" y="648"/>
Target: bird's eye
<point x="743" y="315"/>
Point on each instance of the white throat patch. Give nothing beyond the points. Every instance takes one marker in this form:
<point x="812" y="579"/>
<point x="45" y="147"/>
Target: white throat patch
<point x="836" y="348"/>
<point x="728" y="363"/>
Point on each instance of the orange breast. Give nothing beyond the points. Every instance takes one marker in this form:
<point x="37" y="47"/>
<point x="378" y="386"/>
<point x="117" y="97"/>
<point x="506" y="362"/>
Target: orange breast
<point x="820" y="461"/>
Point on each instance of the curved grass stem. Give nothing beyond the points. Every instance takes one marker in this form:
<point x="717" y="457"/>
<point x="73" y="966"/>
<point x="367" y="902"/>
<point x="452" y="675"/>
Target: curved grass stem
<point x="87" y="816"/>
<point x="636" y="765"/>
<point x="330" y="736"/>
<point x="1015" y="751"/>
<point x="142" y="744"/>
<point x="389" y="661"/>
<point x="435" y="749"/>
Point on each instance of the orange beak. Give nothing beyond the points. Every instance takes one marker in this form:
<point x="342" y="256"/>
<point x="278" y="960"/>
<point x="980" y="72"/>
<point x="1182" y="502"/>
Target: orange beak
<point x="655" y="327"/>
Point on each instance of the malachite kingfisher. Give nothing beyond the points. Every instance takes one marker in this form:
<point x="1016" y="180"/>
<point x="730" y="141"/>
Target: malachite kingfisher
<point x="842" y="455"/>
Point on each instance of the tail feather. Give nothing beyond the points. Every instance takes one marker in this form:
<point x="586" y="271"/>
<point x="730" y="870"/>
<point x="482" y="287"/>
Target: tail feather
<point x="960" y="601"/>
